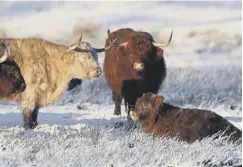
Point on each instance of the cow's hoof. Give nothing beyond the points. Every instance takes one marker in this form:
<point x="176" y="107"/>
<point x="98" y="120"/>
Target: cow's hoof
<point x="30" y="125"/>
<point x="117" y="113"/>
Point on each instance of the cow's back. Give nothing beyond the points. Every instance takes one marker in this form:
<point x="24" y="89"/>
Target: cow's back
<point x="194" y="124"/>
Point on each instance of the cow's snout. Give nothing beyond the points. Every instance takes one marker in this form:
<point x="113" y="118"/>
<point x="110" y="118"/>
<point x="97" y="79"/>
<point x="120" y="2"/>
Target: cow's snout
<point x="96" y="72"/>
<point x="134" y="115"/>
<point x="138" y="66"/>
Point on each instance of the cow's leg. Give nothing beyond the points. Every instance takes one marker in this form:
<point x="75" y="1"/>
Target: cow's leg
<point x="117" y="98"/>
<point x="126" y="106"/>
<point x="35" y="114"/>
<point x="30" y="117"/>
<point x="29" y="109"/>
<point x="131" y="106"/>
<point x="130" y="123"/>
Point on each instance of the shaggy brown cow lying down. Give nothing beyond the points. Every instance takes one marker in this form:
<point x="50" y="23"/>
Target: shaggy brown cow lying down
<point x="162" y="119"/>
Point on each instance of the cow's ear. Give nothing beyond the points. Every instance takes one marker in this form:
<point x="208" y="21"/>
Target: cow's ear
<point x="158" y="100"/>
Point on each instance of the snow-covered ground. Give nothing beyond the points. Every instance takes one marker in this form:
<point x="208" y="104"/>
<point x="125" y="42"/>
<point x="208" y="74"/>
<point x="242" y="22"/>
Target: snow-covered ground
<point x="204" y="64"/>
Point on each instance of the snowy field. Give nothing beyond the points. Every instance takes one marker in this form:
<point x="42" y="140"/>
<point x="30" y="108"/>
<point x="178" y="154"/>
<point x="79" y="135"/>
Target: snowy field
<point x="204" y="64"/>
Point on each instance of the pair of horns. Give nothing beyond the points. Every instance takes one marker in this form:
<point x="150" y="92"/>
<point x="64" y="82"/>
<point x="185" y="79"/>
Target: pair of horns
<point x="72" y="47"/>
<point x="6" y="53"/>
<point x="154" y="43"/>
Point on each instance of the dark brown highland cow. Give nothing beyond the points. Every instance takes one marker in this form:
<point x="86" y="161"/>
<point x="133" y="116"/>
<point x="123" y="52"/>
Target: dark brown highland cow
<point x="11" y="79"/>
<point x="162" y="119"/>
<point x="135" y="67"/>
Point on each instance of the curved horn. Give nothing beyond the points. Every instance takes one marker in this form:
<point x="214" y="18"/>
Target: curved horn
<point x="6" y="54"/>
<point x="109" y="35"/>
<point x="74" y="46"/>
<point x="115" y="44"/>
<point x="80" y="39"/>
<point x="123" y="44"/>
<point x="164" y="44"/>
<point x="106" y="48"/>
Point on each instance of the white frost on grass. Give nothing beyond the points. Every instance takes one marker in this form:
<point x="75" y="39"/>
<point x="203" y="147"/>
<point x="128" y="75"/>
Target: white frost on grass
<point x="204" y="71"/>
<point x="84" y="139"/>
<point x="88" y="137"/>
